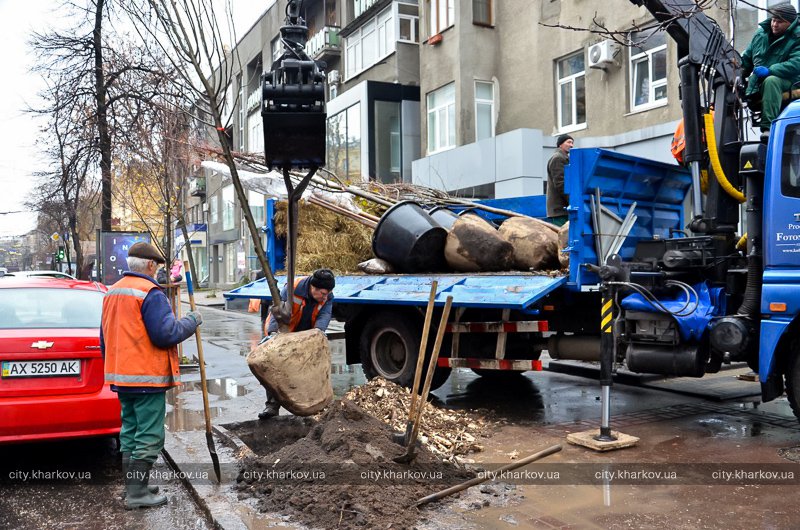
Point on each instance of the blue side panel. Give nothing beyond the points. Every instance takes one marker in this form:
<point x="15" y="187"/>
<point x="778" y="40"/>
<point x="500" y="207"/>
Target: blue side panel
<point x="486" y="291"/>
<point x="658" y="189"/>
<point x="781" y="285"/>
<point x="771" y="332"/>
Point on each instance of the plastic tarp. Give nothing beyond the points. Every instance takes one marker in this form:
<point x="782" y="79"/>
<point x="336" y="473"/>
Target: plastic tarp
<point x="709" y="302"/>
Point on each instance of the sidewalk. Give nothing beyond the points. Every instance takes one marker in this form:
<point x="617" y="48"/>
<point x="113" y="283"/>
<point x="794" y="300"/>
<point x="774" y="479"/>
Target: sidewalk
<point x="204" y="298"/>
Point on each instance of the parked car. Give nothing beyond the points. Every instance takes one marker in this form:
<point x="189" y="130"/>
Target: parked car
<point x="51" y="367"/>
<point x="39" y="274"/>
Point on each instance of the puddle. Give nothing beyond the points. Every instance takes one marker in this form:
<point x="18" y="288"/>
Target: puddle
<point x="185" y="411"/>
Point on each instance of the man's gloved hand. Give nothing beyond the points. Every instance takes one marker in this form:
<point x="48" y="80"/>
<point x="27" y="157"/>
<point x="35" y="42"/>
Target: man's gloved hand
<point x="196" y="316"/>
<point x="761" y="71"/>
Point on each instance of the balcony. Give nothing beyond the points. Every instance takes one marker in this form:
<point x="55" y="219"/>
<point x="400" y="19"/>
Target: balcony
<point x="197" y="187"/>
<point x="324" y="44"/>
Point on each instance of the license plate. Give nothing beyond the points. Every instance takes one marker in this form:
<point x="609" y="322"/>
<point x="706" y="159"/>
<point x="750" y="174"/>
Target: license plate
<point x="59" y="368"/>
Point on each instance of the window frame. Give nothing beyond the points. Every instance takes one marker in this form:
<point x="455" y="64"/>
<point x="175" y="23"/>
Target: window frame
<point x="490" y="103"/>
<point x="413" y="21"/>
<point x="228" y="208"/>
<point x="633" y="60"/>
<point x="450" y="130"/>
<point x="569" y="79"/>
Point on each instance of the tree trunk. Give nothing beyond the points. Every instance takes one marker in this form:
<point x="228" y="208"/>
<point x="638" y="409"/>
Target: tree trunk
<point x="104" y="137"/>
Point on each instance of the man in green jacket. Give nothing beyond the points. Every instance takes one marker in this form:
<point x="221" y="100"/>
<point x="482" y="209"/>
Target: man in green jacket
<point x="773" y="58"/>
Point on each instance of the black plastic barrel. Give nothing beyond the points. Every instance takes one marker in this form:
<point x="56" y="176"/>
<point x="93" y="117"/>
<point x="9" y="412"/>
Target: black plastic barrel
<point x="409" y="239"/>
<point x="444" y="216"/>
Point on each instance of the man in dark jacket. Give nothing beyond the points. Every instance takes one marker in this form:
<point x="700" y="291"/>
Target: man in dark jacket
<point x="312" y="308"/>
<point x="138" y="338"/>
<point x="773" y="59"/>
<point x="557" y="200"/>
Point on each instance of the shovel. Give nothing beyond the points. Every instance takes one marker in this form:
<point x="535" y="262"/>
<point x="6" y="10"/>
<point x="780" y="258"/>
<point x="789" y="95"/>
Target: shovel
<point x="423" y="347"/>
<point x="209" y="437"/>
<point x="411" y="449"/>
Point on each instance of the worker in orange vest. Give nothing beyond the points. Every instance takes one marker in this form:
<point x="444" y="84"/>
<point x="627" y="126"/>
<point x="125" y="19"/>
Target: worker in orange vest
<point x="312" y="307"/>
<point x="138" y="336"/>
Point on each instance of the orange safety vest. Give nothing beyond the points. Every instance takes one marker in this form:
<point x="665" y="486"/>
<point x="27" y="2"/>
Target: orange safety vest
<point x="131" y="359"/>
<point x="298" y="303"/>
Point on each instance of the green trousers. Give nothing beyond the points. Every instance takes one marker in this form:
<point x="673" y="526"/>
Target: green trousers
<point x="142" y="432"/>
<point x="772" y="89"/>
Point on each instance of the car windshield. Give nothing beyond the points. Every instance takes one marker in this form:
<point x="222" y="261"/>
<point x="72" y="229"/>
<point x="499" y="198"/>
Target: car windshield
<point x="26" y="308"/>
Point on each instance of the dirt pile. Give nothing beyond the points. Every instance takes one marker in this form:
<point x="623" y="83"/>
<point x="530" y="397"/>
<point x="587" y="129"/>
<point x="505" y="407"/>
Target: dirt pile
<point x="341" y="474"/>
<point x="448" y="433"/>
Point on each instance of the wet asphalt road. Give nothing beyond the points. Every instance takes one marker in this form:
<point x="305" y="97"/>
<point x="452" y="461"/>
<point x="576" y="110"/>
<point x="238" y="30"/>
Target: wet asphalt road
<point x="727" y="424"/>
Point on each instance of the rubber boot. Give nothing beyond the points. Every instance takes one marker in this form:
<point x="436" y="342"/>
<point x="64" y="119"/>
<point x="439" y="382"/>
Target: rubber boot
<point x="136" y="494"/>
<point x="271" y="408"/>
<point x="126" y="458"/>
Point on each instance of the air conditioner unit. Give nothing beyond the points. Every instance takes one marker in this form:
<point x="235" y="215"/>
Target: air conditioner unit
<point x="604" y="54"/>
<point x="333" y="77"/>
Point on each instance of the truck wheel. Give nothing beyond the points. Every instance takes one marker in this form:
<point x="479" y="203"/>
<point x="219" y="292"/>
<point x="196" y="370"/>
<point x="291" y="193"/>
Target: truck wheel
<point x="793" y="383"/>
<point x="389" y="346"/>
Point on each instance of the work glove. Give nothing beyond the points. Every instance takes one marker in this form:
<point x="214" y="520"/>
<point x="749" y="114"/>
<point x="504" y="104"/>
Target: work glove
<point x="761" y="71"/>
<point x="196" y="316"/>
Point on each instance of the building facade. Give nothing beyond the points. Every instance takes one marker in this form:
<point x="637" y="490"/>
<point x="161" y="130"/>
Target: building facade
<point x="464" y="95"/>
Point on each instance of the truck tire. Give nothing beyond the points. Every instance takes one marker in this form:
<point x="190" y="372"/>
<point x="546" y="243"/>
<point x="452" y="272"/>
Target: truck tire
<point x="793" y="383"/>
<point x="389" y="347"/>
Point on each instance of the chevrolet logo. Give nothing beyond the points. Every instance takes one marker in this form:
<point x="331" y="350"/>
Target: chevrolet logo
<point x="42" y="345"/>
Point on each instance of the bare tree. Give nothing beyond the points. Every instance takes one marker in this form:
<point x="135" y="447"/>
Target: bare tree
<point x="189" y="33"/>
<point x="70" y="146"/>
<point x="101" y="71"/>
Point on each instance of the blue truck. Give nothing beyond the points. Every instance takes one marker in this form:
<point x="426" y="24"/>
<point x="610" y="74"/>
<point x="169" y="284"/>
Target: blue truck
<point x="501" y="322"/>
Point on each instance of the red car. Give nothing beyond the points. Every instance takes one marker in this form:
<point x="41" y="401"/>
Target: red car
<point x="51" y="368"/>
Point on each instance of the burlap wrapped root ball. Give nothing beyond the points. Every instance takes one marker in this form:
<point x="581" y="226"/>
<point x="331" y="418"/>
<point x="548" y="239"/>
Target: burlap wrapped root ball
<point x="535" y="244"/>
<point x="473" y="245"/>
<point x="296" y="369"/>
<point x="563" y="242"/>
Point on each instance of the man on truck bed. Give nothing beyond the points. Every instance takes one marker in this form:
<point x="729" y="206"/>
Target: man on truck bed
<point x="312" y="307"/>
<point x="557" y="200"/>
<point x="773" y="57"/>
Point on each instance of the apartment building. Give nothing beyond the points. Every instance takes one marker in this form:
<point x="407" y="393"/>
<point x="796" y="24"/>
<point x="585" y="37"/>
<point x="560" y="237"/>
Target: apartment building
<point x="500" y="80"/>
<point x="464" y="95"/>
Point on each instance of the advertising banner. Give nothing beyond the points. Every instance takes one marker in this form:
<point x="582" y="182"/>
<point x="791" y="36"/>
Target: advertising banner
<point x="114" y="251"/>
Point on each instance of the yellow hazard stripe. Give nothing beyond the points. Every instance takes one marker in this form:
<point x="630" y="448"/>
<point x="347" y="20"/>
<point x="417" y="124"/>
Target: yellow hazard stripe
<point x="605" y="324"/>
<point x="606" y="307"/>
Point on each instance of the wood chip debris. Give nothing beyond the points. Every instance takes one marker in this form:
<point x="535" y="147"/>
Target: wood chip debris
<point x="448" y="433"/>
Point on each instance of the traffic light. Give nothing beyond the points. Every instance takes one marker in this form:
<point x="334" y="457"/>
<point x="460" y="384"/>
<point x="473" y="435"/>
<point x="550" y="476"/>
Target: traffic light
<point x="60" y="256"/>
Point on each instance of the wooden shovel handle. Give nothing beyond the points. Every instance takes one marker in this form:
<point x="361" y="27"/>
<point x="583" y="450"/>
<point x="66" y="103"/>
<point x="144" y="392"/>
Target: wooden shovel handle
<point x="423" y="347"/>
<point x="431" y="367"/>
<point x="200" y="359"/>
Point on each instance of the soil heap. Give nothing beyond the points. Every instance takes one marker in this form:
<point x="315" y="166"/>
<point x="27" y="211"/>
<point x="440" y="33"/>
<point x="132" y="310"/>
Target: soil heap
<point x="341" y="474"/>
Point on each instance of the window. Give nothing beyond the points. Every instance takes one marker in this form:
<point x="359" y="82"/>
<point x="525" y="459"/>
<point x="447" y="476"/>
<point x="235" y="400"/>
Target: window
<point x="256" y="201"/>
<point x="227" y="208"/>
<point x="255" y="129"/>
<point x="790" y="162"/>
<point x="370" y="43"/>
<point x="344" y="143"/>
<point x="571" y="92"/>
<point x="482" y="12"/>
<point x="648" y="69"/>
<point x="230" y="262"/>
<point x="408" y="23"/>
<point x="387" y="141"/>
<point x="442" y="15"/>
<point x="242" y="111"/>
<point x="277" y="48"/>
<point x="484" y="109"/>
<point x="442" y="119"/>
<point x="213" y="209"/>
